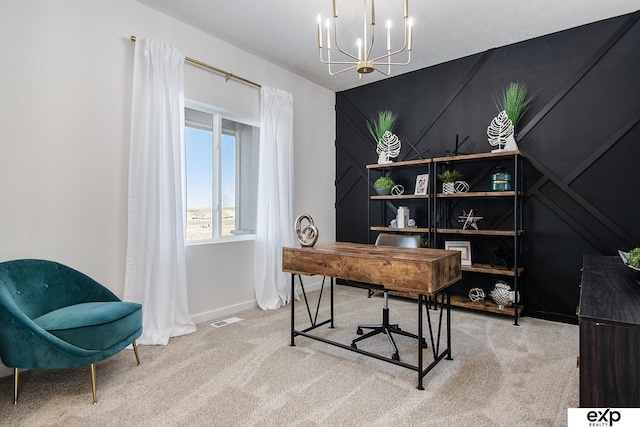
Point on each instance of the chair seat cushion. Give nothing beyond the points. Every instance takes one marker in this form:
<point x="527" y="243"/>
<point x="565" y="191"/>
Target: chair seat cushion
<point x="93" y="325"/>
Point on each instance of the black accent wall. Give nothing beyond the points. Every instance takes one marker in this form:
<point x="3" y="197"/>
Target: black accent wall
<point x="581" y="139"/>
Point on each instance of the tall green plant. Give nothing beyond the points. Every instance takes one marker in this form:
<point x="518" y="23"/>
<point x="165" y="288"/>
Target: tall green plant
<point x="385" y="122"/>
<point x="515" y="101"/>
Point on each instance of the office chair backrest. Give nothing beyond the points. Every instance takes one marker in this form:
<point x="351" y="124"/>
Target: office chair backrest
<point x="400" y="240"/>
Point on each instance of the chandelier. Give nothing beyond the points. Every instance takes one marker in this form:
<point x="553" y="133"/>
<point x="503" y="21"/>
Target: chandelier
<point x="363" y="62"/>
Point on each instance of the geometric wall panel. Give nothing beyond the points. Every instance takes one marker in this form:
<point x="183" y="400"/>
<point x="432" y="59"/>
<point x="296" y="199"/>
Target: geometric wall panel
<point x="581" y="139"/>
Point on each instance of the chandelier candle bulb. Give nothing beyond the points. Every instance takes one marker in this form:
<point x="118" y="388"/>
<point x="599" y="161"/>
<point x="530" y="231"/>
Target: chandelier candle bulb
<point x="320" y="31"/>
<point x="328" y="24"/>
<point x="388" y="35"/>
<point x="410" y="34"/>
<point x="335" y="9"/>
<point x="406" y="8"/>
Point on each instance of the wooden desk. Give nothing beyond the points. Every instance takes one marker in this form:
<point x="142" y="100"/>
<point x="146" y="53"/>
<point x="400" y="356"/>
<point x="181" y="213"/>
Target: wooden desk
<point x="422" y="271"/>
<point x="426" y="272"/>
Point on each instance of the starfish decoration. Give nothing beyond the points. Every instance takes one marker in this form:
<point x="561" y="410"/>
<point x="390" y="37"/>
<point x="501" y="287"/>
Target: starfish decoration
<point x="469" y="219"/>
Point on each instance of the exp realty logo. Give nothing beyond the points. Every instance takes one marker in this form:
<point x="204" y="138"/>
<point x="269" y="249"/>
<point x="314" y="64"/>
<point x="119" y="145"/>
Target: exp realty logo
<point x="603" y="417"/>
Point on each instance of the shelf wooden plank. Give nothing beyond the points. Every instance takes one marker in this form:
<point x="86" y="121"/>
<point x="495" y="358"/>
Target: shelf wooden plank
<point x="400" y="197"/>
<point x="403" y="164"/>
<point x="477" y="156"/>
<point x="471" y="231"/>
<point x="402" y="230"/>
<point x="486" y="305"/>
<point x="479" y="194"/>
<point x="489" y="269"/>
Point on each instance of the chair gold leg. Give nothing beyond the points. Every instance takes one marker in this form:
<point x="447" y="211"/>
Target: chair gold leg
<point x="93" y="382"/>
<point x="135" y="350"/>
<point x="16" y="375"/>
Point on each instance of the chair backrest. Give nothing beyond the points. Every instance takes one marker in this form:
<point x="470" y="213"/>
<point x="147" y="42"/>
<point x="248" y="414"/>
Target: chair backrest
<point x="400" y="240"/>
<point x="37" y="286"/>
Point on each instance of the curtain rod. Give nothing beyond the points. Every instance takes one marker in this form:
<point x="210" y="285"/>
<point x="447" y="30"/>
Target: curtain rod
<point x="227" y="75"/>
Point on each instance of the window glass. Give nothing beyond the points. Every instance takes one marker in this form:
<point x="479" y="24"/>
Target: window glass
<point x="199" y="174"/>
<point x="221" y="162"/>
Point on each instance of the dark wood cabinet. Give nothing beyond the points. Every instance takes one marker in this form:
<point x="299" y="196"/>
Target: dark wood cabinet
<point x="609" y="316"/>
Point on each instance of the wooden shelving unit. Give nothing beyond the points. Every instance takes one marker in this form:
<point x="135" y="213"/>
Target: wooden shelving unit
<point x="515" y="232"/>
<point x="490" y="306"/>
<point x="479" y="232"/>
<point x="489" y="269"/>
<point x="402" y="230"/>
<point x="435" y="231"/>
<point x="401" y="197"/>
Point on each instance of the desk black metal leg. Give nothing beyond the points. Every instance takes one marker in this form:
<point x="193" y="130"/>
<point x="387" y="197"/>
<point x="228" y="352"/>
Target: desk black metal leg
<point x="332" y="280"/>
<point x="293" y="300"/>
<point x="420" y="373"/>
<point x="449" y="357"/>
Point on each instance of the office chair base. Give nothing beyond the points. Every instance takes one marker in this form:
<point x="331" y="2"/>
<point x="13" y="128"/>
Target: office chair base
<point x="388" y="329"/>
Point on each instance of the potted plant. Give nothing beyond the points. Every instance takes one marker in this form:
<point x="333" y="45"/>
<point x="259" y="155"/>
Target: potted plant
<point x="514" y="102"/>
<point x="449" y="178"/>
<point x="383" y="185"/>
<point x="377" y="128"/>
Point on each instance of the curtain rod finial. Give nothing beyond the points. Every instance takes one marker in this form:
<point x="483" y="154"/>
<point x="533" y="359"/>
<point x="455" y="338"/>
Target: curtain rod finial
<point x="133" y="38"/>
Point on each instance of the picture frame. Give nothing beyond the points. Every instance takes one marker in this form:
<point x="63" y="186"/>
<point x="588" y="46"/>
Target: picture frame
<point x="463" y="247"/>
<point x="422" y="184"/>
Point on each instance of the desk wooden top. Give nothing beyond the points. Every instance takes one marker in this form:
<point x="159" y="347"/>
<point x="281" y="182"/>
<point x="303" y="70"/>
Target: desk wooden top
<point x="417" y="270"/>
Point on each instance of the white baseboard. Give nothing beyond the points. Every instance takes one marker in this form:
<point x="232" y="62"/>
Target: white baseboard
<point x="236" y="308"/>
<point x="208" y="316"/>
<point x="224" y="311"/>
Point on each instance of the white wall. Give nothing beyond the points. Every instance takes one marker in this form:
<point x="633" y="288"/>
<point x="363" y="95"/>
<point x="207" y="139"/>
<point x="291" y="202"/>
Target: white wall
<point x="65" y="95"/>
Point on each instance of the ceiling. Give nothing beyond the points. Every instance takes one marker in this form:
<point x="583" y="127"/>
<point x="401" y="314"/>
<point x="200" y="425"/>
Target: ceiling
<point x="284" y="32"/>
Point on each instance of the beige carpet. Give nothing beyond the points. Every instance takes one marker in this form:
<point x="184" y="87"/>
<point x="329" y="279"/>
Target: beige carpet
<point x="246" y="374"/>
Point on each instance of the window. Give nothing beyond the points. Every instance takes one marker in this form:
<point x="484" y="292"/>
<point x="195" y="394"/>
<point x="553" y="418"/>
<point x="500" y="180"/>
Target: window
<point x="221" y="162"/>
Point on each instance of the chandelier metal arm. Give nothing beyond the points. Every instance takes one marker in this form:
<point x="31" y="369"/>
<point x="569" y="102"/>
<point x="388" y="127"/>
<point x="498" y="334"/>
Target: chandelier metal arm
<point x="335" y="35"/>
<point x="334" y="73"/>
<point x="373" y="34"/>
<point x="329" y="63"/>
<point x="388" y="56"/>
<point x="402" y="49"/>
<point x="387" y="73"/>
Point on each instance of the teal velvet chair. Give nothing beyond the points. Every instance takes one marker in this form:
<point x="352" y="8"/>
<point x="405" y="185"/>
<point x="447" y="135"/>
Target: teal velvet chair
<point x="52" y="317"/>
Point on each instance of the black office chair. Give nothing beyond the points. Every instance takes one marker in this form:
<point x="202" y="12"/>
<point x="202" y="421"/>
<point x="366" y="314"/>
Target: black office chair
<point x="399" y="240"/>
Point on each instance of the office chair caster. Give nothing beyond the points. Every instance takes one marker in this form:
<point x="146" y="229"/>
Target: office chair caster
<point x="359" y="331"/>
<point x="395" y="356"/>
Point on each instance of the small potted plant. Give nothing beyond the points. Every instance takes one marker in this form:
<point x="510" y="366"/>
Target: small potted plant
<point x="378" y="128"/>
<point x="449" y="178"/>
<point x="383" y="185"/>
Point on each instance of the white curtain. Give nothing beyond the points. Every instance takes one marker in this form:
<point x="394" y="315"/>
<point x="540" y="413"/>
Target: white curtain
<point x="155" y="266"/>
<point x="274" y="228"/>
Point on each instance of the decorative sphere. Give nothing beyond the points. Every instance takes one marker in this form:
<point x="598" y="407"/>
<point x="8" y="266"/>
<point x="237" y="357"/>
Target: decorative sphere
<point x="476" y="295"/>
<point x="397" y="190"/>
<point x="503" y="295"/>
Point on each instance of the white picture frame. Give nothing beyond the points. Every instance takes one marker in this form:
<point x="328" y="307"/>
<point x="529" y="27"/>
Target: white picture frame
<point x="422" y="184"/>
<point x="463" y="247"/>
